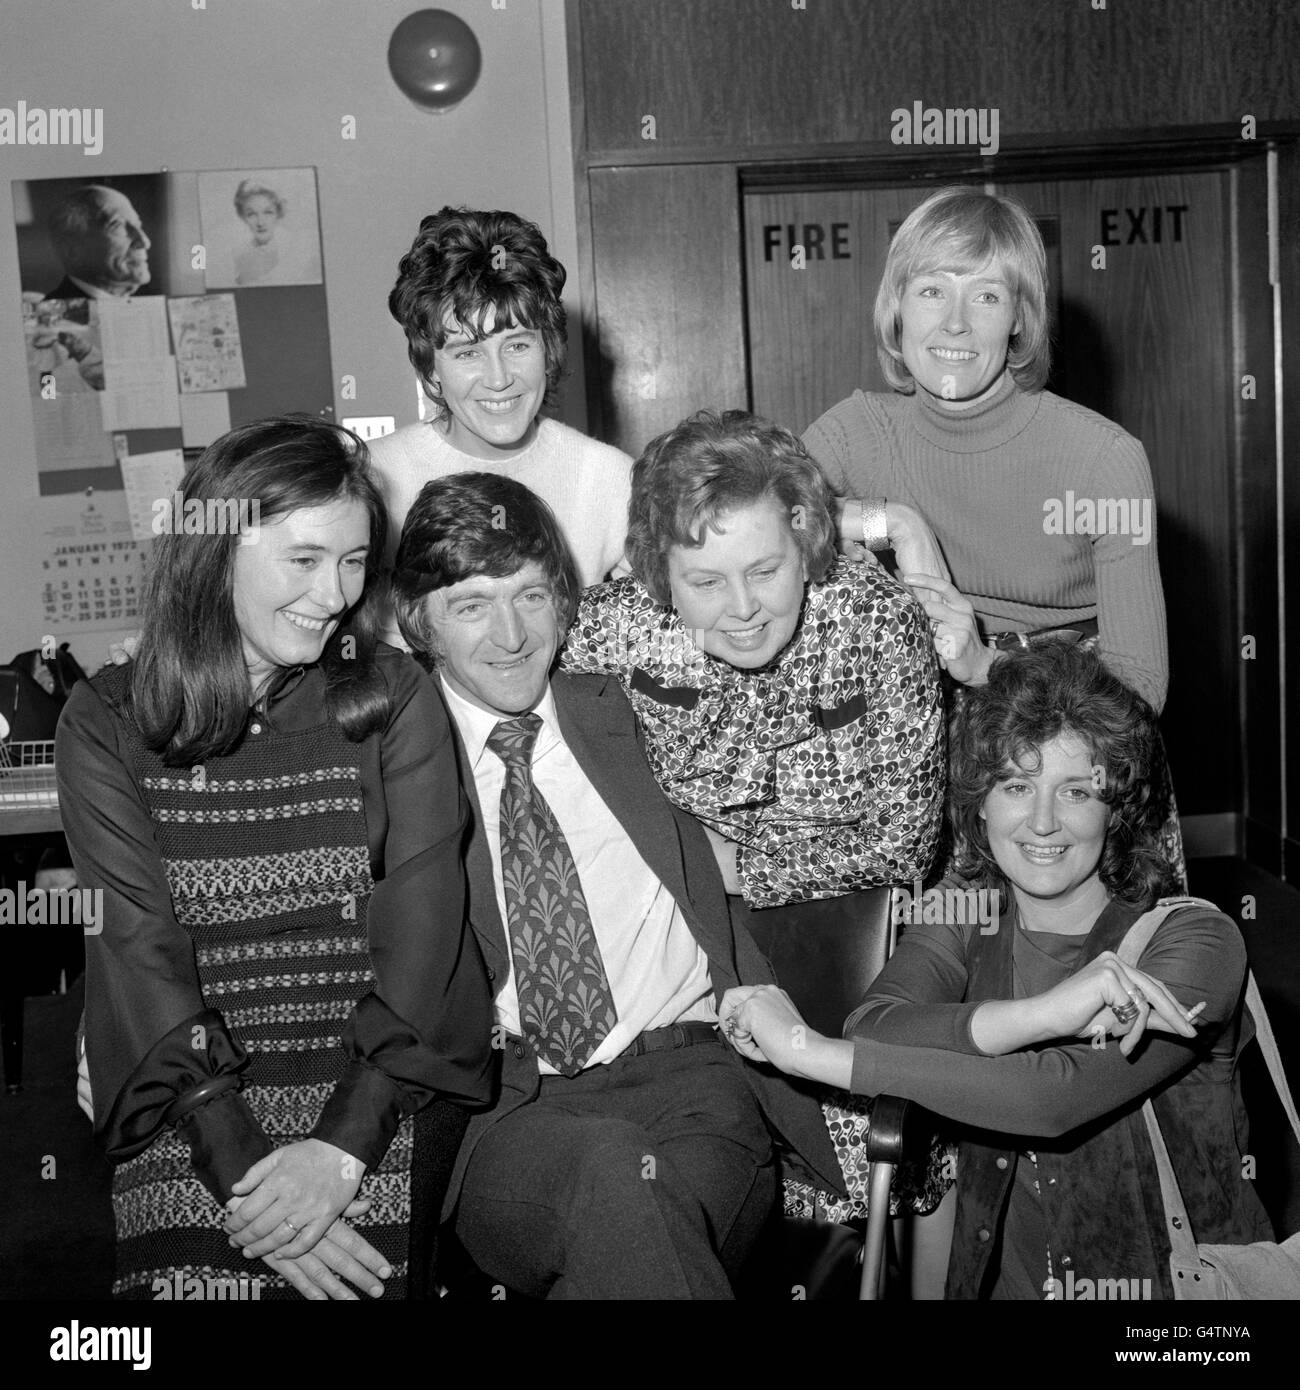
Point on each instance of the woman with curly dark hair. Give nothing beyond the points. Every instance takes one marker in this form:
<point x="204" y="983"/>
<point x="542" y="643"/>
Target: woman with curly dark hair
<point x="1001" y="1022"/>
<point x="478" y="297"/>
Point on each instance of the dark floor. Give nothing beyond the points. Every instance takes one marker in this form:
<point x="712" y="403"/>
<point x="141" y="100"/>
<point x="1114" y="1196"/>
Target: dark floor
<point x="56" y="1234"/>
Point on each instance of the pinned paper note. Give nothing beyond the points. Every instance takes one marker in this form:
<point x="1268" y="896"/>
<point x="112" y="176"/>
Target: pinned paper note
<point x="133" y="328"/>
<point x="140" y="394"/>
<point x="70" y="434"/>
<point x="150" y="480"/>
<point x="209" y="354"/>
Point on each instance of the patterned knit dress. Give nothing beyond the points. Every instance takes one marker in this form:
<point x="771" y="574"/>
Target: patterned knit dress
<point x="266" y="856"/>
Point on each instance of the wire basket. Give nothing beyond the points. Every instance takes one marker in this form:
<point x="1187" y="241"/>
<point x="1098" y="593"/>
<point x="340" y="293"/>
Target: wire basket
<point x="27" y="774"/>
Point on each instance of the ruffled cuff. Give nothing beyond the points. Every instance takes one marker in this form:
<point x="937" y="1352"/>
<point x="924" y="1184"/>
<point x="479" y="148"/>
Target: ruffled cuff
<point x="197" y="1052"/>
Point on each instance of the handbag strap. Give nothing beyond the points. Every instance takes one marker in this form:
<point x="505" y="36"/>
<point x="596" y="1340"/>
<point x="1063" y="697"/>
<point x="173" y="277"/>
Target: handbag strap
<point x="1268" y="1046"/>
<point x="1181" y="1237"/>
<point x="1136" y="941"/>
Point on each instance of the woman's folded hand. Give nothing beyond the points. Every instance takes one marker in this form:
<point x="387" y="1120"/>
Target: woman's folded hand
<point x="340" y="1254"/>
<point x="292" y="1197"/>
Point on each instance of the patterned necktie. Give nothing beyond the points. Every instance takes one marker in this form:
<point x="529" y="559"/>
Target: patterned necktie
<point x="566" y="1006"/>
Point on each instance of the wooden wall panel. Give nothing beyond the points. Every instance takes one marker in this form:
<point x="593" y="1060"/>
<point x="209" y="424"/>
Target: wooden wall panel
<point x="667" y="272"/>
<point x="1257" y="535"/>
<point x="1289" y="279"/>
<point x="811" y="340"/>
<point x="754" y="74"/>
<point x="1148" y="342"/>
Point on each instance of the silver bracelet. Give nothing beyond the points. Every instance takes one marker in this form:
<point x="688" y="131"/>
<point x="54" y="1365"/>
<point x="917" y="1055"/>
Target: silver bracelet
<point x="875" y="529"/>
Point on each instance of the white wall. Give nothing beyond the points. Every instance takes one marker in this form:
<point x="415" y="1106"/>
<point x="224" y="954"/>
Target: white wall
<point x="266" y="83"/>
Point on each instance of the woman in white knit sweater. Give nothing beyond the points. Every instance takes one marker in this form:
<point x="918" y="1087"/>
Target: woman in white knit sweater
<point x="478" y="296"/>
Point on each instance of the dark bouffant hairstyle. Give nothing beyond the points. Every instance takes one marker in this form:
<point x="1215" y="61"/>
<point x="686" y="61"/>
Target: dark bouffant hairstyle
<point x="1053" y="688"/>
<point x="464" y="263"/>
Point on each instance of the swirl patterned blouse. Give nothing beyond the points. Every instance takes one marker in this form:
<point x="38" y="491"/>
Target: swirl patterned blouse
<point x="826" y="766"/>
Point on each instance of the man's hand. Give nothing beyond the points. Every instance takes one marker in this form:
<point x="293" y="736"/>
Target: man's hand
<point x="292" y="1197"/>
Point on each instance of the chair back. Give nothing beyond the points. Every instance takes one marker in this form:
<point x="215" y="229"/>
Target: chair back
<point x="826" y="954"/>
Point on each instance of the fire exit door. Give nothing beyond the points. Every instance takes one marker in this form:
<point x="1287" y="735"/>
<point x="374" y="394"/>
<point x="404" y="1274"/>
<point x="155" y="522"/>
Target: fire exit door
<point x="1148" y="276"/>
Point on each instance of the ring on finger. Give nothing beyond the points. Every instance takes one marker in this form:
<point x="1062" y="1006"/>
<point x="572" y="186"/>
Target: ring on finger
<point x="1125" y="1013"/>
<point x="290" y="1225"/>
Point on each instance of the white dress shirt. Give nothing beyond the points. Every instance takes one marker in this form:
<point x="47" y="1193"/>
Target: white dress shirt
<point x="656" y="969"/>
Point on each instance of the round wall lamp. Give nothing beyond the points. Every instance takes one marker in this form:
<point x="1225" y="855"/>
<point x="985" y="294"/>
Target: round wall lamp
<point x="434" y="58"/>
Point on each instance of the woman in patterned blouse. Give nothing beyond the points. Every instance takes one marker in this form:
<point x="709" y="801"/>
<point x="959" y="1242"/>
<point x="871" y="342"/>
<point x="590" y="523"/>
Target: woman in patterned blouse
<point x="788" y="698"/>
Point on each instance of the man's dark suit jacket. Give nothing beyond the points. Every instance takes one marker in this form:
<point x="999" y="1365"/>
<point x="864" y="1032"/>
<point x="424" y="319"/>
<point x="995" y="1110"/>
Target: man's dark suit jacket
<point x="67" y="288"/>
<point x="600" y="728"/>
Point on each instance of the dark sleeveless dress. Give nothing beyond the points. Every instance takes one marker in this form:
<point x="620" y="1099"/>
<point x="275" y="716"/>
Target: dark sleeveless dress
<point x="280" y="943"/>
<point x="267" y="857"/>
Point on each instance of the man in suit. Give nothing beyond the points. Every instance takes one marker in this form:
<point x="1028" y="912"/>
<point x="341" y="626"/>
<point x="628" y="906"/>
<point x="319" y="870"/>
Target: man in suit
<point x="628" y="1155"/>
<point x="98" y="236"/>
<point x="103" y="246"/>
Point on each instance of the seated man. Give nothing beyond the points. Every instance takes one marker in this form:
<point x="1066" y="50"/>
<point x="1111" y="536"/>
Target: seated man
<point x="629" y="1154"/>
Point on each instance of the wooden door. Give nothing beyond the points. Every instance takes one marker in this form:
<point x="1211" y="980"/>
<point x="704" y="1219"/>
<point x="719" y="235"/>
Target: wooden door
<point x="667" y="279"/>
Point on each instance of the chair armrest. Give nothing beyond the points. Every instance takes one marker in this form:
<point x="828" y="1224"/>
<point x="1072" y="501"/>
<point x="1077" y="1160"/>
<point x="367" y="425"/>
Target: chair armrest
<point x="884" y="1142"/>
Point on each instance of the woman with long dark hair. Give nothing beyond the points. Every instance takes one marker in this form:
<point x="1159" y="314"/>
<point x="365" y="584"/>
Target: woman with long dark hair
<point x="267" y="801"/>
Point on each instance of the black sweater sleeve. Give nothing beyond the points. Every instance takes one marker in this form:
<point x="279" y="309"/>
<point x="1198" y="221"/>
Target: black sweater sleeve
<point x="150" y="1039"/>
